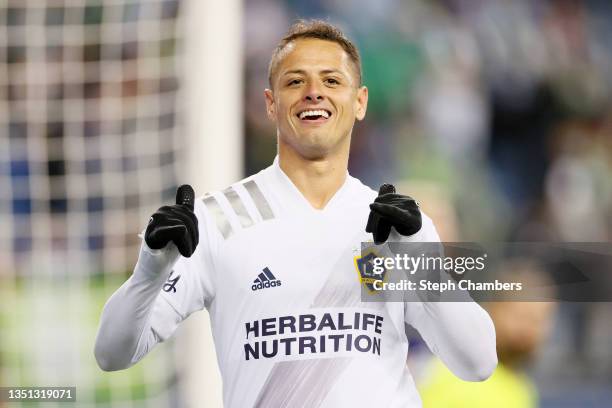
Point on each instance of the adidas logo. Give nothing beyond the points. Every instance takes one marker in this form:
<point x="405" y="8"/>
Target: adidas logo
<point x="265" y="280"/>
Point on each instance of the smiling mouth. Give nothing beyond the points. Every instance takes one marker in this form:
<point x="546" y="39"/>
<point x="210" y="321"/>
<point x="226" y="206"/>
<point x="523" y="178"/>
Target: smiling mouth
<point x="314" y="115"/>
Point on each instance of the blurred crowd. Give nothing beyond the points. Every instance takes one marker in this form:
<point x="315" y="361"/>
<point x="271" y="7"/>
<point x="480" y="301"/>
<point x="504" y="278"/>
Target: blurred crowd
<point x="506" y="104"/>
<point x="495" y="114"/>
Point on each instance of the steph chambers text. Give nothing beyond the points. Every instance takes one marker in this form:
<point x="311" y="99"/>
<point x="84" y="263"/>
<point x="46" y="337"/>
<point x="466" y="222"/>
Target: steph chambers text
<point x="427" y="285"/>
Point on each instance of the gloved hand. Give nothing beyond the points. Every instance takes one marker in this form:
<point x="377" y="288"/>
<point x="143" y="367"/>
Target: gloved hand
<point x="176" y="223"/>
<point x="390" y="209"/>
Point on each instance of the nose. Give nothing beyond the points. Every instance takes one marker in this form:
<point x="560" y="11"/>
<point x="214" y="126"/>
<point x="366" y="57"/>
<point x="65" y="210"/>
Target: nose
<point x="313" y="94"/>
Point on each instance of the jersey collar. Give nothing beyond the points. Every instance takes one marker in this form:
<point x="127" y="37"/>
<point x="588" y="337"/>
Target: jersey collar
<point x="291" y="196"/>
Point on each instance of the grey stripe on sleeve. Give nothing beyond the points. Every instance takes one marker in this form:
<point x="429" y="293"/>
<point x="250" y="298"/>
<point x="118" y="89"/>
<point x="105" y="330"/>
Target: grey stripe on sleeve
<point x="236" y="202"/>
<point x="220" y="218"/>
<point x="260" y="201"/>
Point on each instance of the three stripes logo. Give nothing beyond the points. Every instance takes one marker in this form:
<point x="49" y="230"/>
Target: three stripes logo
<point x="250" y="196"/>
<point x="265" y="280"/>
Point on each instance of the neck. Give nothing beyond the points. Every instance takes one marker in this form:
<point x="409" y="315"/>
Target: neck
<point x="317" y="179"/>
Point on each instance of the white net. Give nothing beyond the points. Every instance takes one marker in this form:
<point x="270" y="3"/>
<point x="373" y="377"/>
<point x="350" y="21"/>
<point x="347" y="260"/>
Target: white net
<point x="89" y="148"/>
<point x="89" y="107"/>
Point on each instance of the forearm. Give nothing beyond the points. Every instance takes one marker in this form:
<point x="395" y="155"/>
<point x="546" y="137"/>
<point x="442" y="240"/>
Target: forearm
<point x="125" y="319"/>
<point x="462" y="335"/>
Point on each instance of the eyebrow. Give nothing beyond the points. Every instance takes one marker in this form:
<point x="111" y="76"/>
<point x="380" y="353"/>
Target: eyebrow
<point x="325" y="71"/>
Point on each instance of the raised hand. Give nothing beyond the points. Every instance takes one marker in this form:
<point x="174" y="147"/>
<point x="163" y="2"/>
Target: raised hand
<point x="176" y="223"/>
<point x="390" y="209"/>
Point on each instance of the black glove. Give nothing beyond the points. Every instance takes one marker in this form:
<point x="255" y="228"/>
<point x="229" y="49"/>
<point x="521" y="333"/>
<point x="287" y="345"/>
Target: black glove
<point x="176" y="223"/>
<point x="393" y="210"/>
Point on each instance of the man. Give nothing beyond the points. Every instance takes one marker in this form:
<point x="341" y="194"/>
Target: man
<point x="275" y="264"/>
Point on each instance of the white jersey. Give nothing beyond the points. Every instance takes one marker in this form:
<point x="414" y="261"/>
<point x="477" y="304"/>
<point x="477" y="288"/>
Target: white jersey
<point x="281" y="283"/>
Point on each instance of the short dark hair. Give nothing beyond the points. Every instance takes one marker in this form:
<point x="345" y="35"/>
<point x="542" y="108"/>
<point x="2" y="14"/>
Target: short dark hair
<point x="318" y="29"/>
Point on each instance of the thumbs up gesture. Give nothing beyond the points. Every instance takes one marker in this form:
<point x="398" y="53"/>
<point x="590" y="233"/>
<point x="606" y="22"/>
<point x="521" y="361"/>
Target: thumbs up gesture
<point x="390" y="209"/>
<point x="176" y="223"/>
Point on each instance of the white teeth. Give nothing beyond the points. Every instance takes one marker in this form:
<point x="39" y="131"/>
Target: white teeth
<point x="321" y="112"/>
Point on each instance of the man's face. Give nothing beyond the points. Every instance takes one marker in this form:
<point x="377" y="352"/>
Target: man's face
<point x="315" y="98"/>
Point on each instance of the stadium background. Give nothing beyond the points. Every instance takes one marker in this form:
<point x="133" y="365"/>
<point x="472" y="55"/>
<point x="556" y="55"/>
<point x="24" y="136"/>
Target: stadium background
<point x="495" y="114"/>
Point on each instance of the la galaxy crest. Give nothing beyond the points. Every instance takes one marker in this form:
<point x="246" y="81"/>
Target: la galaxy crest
<point x="365" y="267"/>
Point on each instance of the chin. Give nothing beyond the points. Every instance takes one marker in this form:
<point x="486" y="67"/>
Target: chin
<point x="314" y="151"/>
<point x="313" y="144"/>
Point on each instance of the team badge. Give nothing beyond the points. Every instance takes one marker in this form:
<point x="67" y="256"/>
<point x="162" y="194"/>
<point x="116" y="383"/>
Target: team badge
<point x="365" y="268"/>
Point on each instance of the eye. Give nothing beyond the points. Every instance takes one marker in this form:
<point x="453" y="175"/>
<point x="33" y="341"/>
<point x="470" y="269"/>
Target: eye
<point x="295" y="81"/>
<point x="332" y="81"/>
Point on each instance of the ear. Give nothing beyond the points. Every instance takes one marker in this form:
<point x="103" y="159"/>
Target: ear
<point x="361" y="102"/>
<point x="270" y="105"/>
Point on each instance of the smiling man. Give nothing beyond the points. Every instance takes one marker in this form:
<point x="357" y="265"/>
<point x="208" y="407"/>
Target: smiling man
<point x="272" y="258"/>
